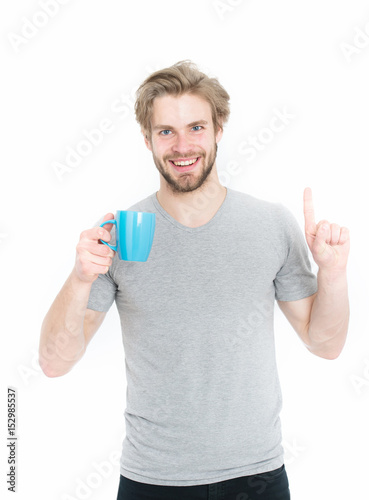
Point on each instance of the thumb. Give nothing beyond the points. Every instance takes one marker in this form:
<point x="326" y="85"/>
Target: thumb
<point x="108" y="216"/>
<point x="321" y="246"/>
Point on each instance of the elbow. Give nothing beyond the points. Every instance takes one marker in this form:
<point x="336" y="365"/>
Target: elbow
<point x="50" y="374"/>
<point x="56" y="362"/>
<point x="330" y="348"/>
<point x="46" y="370"/>
<point x="50" y="370"/>
<point x="330" y="354"/>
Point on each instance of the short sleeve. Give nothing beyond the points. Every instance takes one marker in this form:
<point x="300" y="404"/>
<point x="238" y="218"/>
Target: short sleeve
<point x="102" y="294"/>
<point x="294" y="280"/>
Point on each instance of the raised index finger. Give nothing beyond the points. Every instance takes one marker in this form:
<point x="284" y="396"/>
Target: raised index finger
<point x="308" y="207"/>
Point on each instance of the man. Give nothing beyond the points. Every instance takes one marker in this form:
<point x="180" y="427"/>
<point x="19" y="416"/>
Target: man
<point x="203" y="395"/>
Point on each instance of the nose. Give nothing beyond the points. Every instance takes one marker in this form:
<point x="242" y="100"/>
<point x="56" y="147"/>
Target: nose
<point x="182" y="144"/>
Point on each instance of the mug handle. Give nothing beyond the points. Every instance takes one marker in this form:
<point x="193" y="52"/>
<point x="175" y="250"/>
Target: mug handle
<point x="112" y="221"/>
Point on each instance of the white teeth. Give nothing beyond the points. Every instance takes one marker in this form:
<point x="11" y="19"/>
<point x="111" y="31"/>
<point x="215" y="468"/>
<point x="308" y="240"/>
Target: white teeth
<point x="183" y="163"/>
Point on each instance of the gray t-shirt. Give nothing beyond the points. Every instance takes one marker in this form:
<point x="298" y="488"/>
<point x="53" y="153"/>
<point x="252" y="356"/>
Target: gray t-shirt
<point x="203" y="392"/>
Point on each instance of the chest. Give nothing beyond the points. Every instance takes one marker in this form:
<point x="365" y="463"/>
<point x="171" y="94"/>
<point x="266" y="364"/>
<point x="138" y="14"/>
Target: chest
<point x="194" y="271"/>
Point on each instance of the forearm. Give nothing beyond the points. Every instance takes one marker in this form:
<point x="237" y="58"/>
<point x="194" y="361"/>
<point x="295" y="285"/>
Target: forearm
<point x="62" y="341"/>
<point x="329" y="317"/>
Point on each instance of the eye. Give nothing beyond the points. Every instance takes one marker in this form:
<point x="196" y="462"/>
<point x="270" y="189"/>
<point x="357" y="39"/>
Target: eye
<point x="165" y="132"/>
<point x="196" y="128"/>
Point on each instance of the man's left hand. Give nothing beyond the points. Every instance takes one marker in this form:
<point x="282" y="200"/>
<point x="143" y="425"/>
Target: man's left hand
<point x="328" y="243"/>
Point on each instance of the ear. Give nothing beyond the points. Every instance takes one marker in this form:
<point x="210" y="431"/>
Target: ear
<point x="219" y="134"/>
<point x="147" y="139"/>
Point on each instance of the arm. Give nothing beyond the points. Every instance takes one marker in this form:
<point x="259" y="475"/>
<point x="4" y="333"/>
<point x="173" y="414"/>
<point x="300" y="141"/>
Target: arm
<point x="69" y="326"/>
<point x="322" y="319"/>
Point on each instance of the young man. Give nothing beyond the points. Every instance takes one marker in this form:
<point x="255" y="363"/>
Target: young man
<point x="203" y="398"/>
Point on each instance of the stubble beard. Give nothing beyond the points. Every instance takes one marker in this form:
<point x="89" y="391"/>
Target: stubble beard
<point x="186" y="182"/>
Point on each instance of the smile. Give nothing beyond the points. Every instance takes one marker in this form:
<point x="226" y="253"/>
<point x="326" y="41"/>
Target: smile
<point x="185" y="162"/>
<point x="185" y="165"/>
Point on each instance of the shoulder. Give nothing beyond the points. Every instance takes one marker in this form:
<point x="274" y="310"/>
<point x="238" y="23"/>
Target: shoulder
<point x="272" y="212"/>
<point x="270" y="220"/>
<point x="144" y="205"/>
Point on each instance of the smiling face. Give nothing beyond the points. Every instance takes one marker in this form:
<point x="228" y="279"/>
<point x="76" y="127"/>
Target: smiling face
<point x="183" y="141"/>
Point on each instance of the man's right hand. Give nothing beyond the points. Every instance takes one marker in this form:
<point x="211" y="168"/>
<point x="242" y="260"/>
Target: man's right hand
<point x="94" y="258"/>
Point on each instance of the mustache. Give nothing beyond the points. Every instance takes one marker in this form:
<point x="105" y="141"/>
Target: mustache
<point x="192" y="154"/>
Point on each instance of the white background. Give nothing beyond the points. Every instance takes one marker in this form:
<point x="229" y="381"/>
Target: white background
<point x="84" y="62"/>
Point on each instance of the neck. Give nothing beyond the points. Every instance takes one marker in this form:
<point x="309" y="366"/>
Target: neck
<point x="194" y="208"/>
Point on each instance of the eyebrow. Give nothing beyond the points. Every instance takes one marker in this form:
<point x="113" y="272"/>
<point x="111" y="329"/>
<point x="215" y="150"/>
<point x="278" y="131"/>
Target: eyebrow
<point x="169" y="127"/>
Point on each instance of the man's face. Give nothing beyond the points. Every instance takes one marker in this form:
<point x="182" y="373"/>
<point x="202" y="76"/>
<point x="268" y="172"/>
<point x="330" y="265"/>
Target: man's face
<point x="183" y="132"/>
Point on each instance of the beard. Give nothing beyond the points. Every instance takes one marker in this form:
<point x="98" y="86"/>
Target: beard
<point x="187" y="182"/>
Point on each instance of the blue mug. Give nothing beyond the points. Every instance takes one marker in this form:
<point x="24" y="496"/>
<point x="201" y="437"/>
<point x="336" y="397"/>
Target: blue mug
<point x="134" y="234"/>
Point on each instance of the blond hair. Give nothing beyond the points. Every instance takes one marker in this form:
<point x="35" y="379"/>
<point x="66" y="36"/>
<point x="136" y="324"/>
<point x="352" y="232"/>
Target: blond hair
<point x="182" y="78"/>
